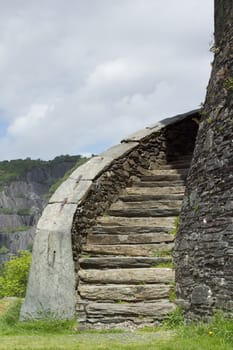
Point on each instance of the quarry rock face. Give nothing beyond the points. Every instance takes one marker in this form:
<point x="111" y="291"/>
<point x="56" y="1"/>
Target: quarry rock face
<point x="103" y="245"/>
<point x="22" y="202"/>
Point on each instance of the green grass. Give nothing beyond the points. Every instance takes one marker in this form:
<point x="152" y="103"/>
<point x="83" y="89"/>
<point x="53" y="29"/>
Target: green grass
<point x="53" y="334"/>
<point x="15" y="229"/>
<point x="12" y="211"/>
<point x="176" y="226"/>
<point x="168" y="264"/>
<point x="162" y="253"/>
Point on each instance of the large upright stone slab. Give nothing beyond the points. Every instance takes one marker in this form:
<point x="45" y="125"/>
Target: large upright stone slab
<point x="51" y="286"/>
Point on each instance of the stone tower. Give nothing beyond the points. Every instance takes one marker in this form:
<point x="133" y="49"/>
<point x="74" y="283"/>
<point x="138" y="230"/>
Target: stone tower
<point x="204" y="245"/>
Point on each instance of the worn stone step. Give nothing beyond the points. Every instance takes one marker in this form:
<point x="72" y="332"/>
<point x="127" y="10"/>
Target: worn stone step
<point x="163" y="177"/>
<point x="145" y="212"/>
<point x="145" y="238"/>
<point x="112" y="292"/>
<point x="127" y="249"/>
<point x="135" y="221"/>
<point x="175" y="165"/>
<point x="167" y="171"/>
<point x="150" y="197"/>
<point x="145" y="209"/>
<point x="128" y="229"/>
<point x="159" y="183"/>
<point x="165" y="204"/>
<point x="154" y="190"/>
<point x="153" y="250"/>
<point x="181" y="158"/>
<point x="127" y="276"/>
<point x="157" y="310"/>
<point x="120" y="262"/>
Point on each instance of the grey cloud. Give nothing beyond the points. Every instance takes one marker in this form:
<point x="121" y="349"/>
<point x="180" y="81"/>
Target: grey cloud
<point x="92" y="71"/>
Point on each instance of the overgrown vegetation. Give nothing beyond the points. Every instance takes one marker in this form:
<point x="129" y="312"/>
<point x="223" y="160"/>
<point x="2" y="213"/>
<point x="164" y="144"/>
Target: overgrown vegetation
<point x="176" y="226"/>
<point x="173" y="335"/>
<point x="17" y="169"/>
<point x="14" y="275"/>
<point x="12" y="211"/>
<point x="162" y="253"/>
<point x="4" y="250"/>
<point x="14" y="229"/>
<point x="228" y="84"/>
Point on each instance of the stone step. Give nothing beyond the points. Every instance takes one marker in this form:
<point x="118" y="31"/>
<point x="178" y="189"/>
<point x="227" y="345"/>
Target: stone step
<point x="109" y="312"/>
<point x="166" y="204"/>
<point x="153" y="250"/>
<point x="118" y="293"/>
<point x="175" y="165"/>
<point x="178" y="159"/>
<point x="145" y="238"/>
<point x="121" y="230"/>
<point x="167" y="171"/>
<point x="159" y="183"/>
<point x="145" y="209"/>
<point x="150" y="197"/>
<point x="154" y="190"/>
<point x="135" y="221"/>
<point x="121" y="262"/>
<point x="127" y="276"/>
<point x="163" y="177"/>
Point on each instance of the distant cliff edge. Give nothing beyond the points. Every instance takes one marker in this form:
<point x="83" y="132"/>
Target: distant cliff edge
<point x="25" y="186"/>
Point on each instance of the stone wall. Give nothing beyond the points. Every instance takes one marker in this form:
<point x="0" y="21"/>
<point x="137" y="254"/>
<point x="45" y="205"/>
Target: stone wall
<point x="204" y="244"/>
<point x="142" y="152"/>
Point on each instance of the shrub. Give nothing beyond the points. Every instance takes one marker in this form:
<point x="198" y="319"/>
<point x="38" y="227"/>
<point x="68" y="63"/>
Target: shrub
<point x="14" y="275"/>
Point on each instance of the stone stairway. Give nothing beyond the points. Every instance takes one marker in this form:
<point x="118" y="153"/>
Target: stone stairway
<point x="126" y="276"/>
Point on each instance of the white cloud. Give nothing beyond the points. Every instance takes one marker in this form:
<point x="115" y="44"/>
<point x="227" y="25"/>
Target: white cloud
<point x="78" y="76"/>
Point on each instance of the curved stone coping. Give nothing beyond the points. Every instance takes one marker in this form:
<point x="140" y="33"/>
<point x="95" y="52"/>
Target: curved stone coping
<point x="51" y="286"/>
<point x="76" y="187"/>
<point x="141" y="134"/>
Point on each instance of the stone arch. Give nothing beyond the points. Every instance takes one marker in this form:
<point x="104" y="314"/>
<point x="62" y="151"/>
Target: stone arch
<point x="74" y="208"/>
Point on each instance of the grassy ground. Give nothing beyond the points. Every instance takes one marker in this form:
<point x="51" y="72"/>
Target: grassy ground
<point x="54" y="335"/>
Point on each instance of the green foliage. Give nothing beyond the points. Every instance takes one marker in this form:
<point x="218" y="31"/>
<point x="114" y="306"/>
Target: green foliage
<point x="52" y="334"/>
<point x="14" y="275"/>
<point x="9" y="323"/>
<point x="12" y="211"/>
<point x="17" y="169"/>
<point x="176" y="226"/>
<point x="228" y="84"/>
<point x="209" y="120"/>
<point x="15" y="229"/>
<point x="162" y="253"/>
<point x="3" y="250"/>
<point x="167" y="264"/>
<point x="174" y="319"/>
<point x="172" y="294"/>
<point x="23" y="211"/>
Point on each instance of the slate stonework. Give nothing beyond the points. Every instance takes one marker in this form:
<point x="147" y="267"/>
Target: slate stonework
<point x="204" y="244"/>
<point x="77" y="204"/>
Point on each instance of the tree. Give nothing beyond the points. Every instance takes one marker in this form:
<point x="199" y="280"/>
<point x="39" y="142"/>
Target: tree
<point x="204" y="245"/>
<point x="14" y="275"/>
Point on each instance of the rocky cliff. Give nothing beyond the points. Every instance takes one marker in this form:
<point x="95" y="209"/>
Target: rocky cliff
<point x="24" y="191"/>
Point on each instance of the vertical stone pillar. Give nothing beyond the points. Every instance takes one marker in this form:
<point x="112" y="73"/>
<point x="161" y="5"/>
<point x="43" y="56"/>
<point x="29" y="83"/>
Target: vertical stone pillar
<point x="204" y="244"/>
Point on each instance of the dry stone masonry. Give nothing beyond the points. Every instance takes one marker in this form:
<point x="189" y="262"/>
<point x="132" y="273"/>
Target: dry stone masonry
<point x="103" y="245"/>
<point x="204" y="244"/>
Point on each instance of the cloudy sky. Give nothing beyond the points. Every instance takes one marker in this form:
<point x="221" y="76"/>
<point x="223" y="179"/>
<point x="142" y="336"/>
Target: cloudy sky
<point x="79" y="75"/>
